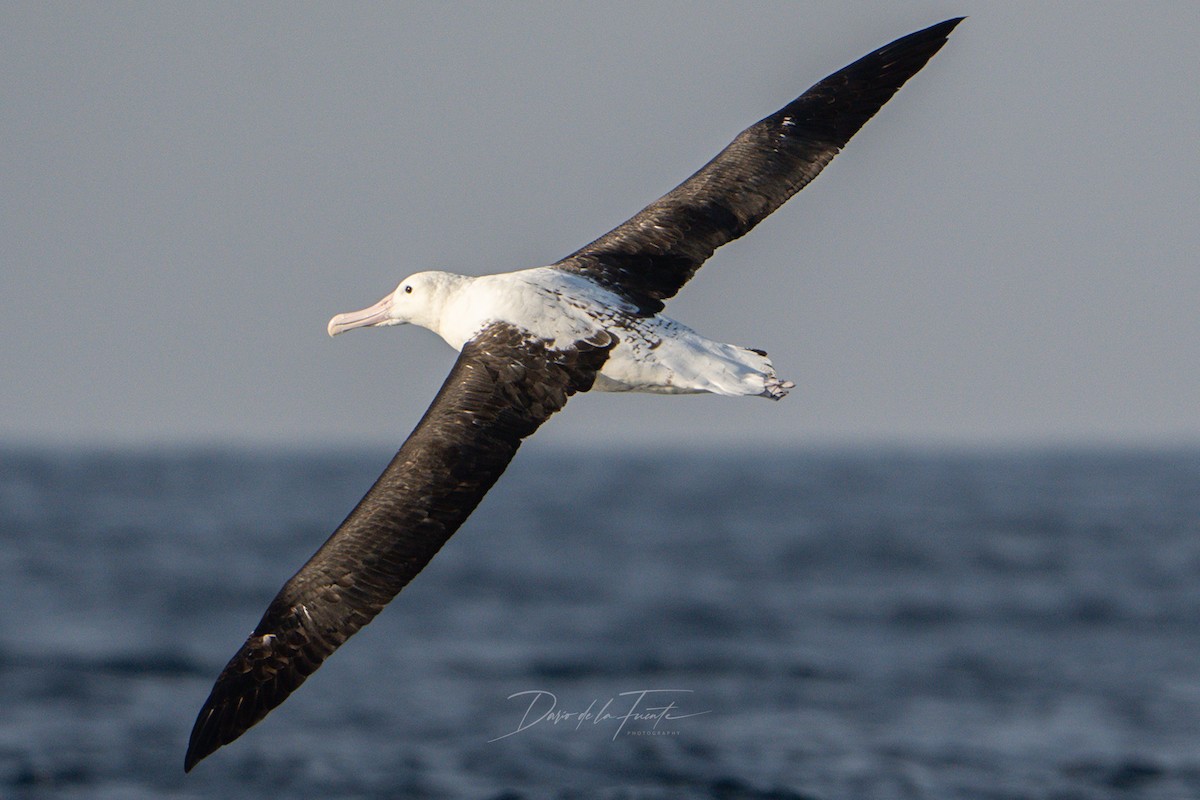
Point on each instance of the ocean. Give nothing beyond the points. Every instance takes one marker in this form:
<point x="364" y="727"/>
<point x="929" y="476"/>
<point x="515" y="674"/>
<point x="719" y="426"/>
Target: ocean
<point x="828" y="624"/>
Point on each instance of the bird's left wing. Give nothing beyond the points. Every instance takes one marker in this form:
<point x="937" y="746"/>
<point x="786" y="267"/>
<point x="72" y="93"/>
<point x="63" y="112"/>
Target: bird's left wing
<point x="503" y="386"/>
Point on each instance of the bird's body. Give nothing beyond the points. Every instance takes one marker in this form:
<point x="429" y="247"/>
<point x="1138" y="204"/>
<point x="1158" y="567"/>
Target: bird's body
<point x="528" y="340"/>
<point x="653" y="353"/>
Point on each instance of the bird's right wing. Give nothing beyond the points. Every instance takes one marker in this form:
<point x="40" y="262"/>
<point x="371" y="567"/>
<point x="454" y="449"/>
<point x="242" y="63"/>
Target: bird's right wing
<point x="503" y="386"/>
<point x="648" y="258"/>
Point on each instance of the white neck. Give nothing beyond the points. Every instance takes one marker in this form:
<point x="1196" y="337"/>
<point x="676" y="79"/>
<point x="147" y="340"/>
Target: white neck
<point x="441" y="310"/>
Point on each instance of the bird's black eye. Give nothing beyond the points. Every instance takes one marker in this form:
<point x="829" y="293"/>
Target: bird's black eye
<point x="408" y="290"/>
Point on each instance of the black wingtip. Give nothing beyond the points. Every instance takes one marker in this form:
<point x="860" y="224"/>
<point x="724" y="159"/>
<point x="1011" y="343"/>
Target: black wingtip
<point x="940" y="30"/>
<point x="947" y="26"/>
<point x="201" y="744"/>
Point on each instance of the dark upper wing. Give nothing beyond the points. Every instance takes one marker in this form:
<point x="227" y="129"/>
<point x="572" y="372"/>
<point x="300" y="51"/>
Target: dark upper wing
<point x="649" y="258"/>
<point x="503" y="386"/>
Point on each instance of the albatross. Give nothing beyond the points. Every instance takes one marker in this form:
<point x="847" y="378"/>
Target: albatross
<point x="527" y="341"/>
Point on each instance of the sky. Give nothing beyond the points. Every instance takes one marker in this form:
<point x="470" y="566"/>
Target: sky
<point x="1005" y="255"/>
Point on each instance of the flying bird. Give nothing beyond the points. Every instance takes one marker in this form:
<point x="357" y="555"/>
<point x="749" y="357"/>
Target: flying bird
<point x="527" y="341"/>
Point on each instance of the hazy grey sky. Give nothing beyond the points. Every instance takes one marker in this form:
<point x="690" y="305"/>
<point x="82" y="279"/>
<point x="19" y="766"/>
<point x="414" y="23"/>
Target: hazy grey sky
<point x="1006" y="253"/>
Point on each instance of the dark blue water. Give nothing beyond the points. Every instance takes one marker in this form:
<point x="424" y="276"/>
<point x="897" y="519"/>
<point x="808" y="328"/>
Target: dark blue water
<point x="854" y="625"/>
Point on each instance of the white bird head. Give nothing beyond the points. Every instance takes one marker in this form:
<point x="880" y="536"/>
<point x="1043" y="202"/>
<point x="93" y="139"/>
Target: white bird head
<point x="418" y="299"/>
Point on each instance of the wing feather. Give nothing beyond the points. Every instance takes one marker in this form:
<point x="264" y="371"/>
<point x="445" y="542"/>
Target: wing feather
<point x="651" y="256"/>
<point x="503" y="386"/>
